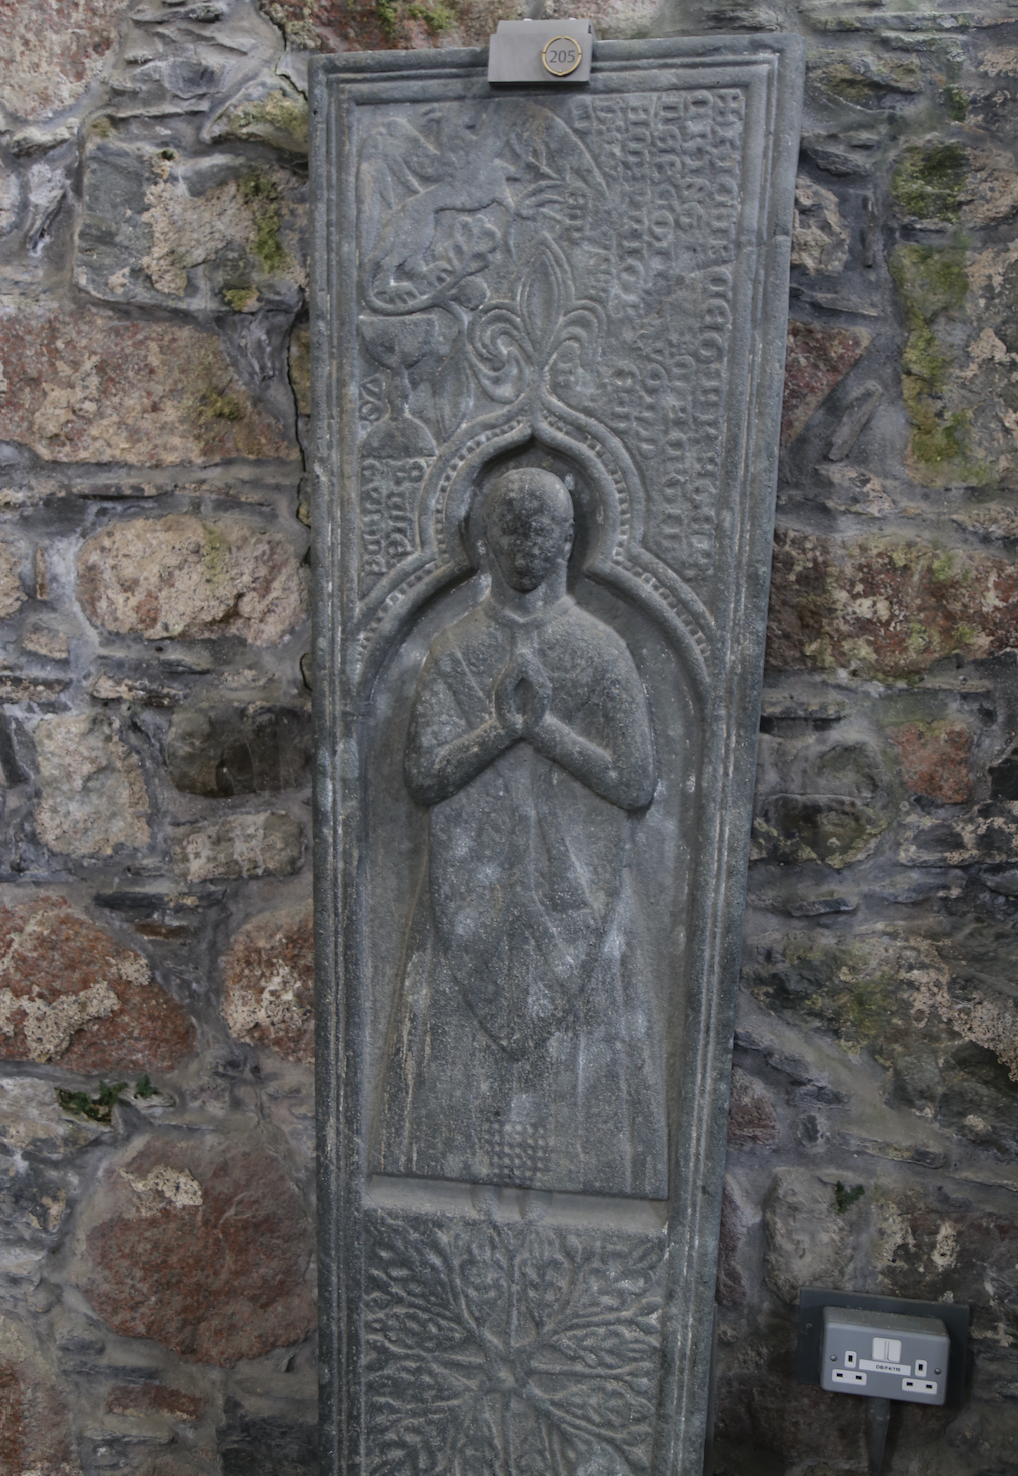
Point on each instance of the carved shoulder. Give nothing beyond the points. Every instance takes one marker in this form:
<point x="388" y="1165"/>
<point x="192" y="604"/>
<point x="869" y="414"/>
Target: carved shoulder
<point x="591" y="648"/>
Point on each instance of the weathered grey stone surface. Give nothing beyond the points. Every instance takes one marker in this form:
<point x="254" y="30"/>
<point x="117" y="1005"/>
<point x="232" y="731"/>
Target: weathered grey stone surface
<point x="546" y="354"/>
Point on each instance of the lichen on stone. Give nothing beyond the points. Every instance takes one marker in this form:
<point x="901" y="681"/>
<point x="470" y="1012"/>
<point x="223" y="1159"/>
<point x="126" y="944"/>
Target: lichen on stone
<point x="269" y="984"/>
<point x="87" y="387"/>
<point x="164" y="1188"/>
<point x="70" y="993"/>
<point x="280" y="119"/>
<point x="885" y="607"/>
<point x="199" y="578"/>
<point x="297" y="20"/>
<point x="49" y="1025"/>
<point x="93" y="792"/>
<point x="233" y="229"/>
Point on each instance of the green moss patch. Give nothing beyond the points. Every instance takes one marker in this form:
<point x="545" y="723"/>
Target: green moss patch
<point x="100" y="1107"/>
<point x="858" y="988"/>
<point x="933" y="283"/>
<point x="956" y="102"/>
<point x="928" y="181"/>
<point x="394" y="17"/>
<point x="845" y="1198"/>
<point x="261" y="195"/>
<point x="860" y="80"/>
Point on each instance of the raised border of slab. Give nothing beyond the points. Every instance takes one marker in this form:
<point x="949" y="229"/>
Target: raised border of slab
<point x="728" y="770"/>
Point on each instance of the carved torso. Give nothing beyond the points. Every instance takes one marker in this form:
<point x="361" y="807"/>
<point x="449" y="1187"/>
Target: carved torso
<point x="521" y="951"/>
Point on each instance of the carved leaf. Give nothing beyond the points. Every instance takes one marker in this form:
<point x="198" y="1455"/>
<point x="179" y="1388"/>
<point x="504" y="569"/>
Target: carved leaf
<point x="542" y="301"/>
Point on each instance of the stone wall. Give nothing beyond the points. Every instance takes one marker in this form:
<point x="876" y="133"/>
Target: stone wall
<point x="156" y="1103"/>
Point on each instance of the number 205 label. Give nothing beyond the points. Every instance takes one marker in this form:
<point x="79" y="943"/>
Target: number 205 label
<point x="561" y="56"/>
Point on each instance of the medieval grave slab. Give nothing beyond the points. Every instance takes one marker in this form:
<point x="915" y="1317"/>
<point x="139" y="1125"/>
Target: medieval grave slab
<point x="548" y="345"/>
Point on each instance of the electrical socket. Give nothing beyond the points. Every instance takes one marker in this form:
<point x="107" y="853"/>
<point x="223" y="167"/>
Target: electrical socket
<point x="877" y="1309"/>
<point x="884" y="1356"/>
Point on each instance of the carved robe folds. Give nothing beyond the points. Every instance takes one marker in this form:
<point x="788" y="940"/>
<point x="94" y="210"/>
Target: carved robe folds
<point x="526" y="1045"/>
<point x="548" y="335"/>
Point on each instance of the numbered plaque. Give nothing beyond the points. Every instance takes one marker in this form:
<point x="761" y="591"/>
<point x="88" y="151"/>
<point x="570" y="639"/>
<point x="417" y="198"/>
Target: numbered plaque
<point x="548" y="341"/>
<point x="561" y="56"/>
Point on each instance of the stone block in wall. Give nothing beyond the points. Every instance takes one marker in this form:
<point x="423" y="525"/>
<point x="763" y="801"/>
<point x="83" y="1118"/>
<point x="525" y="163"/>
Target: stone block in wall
<point x="52" y="50"/>
<point x="955" y="1252"/>
<point x="935" y="760"/>
<point x="180" y="60"/>
<point x="817" y="358"/>
<point x="217" y="233"/>
<point x="765" y="1408"/>
<point x="808" y="1241"/>
<point x="299" y="365"/>
<point x="359" y="25"/>
<point x="41" y="1164"/>
<point x="883" y="606"/>
<point x="938" y="181"/>
<point x="269" y="111"/>
<point x="752" y="1120"/>
<point x="819" y="234"/>
<point x="85" y="386"/>
<point x="795" y="829"/>
<point x="986" y="834"/>
<point x="936" y="1012"/>
<point x="72" y="995"/>
<point x="993" y="522"/>
<point x="35" y="1432"/>
<point x="93" y="797"/>
<point x="731" y="1284"/>
<point x="818" y="800"/>
<point x="203" y="1245"/>
<point x="268" y="999"/>
<point x="959" y="361"/>
<point x="250" y="1444"/>
<point x="44" y="639"/>
<point x="33" y="1123"/>
<point x="155" y="1399"/>
<point x="182" y="576"/>
<point x="246" y="845"/>
<point x="12" y="593"/>
<point x="223" y="749"/>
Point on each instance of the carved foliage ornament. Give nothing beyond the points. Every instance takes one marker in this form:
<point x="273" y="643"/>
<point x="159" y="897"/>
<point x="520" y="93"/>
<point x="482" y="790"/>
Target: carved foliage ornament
<point x="510" y="1348"/>
<point x="541" y="336"/>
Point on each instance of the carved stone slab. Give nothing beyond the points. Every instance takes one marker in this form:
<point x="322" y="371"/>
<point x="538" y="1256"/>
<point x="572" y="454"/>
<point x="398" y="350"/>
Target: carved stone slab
<point x="548" y="342"/>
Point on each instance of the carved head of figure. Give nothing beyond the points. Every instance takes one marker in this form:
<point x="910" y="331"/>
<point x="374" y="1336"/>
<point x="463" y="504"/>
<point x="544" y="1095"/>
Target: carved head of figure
<point x="528" y="526"/>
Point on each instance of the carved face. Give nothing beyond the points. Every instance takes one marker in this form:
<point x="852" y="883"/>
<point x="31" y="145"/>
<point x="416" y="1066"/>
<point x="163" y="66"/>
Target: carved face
<point x="528" y="523"/>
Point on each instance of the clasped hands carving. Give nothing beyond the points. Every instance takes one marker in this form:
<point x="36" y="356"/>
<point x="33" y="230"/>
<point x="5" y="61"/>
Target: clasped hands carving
<point x="522" y="697"/>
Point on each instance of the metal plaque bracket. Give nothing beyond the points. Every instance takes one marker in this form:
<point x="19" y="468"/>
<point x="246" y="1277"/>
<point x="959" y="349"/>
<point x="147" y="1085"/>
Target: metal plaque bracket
<point x="551" y="51"/>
